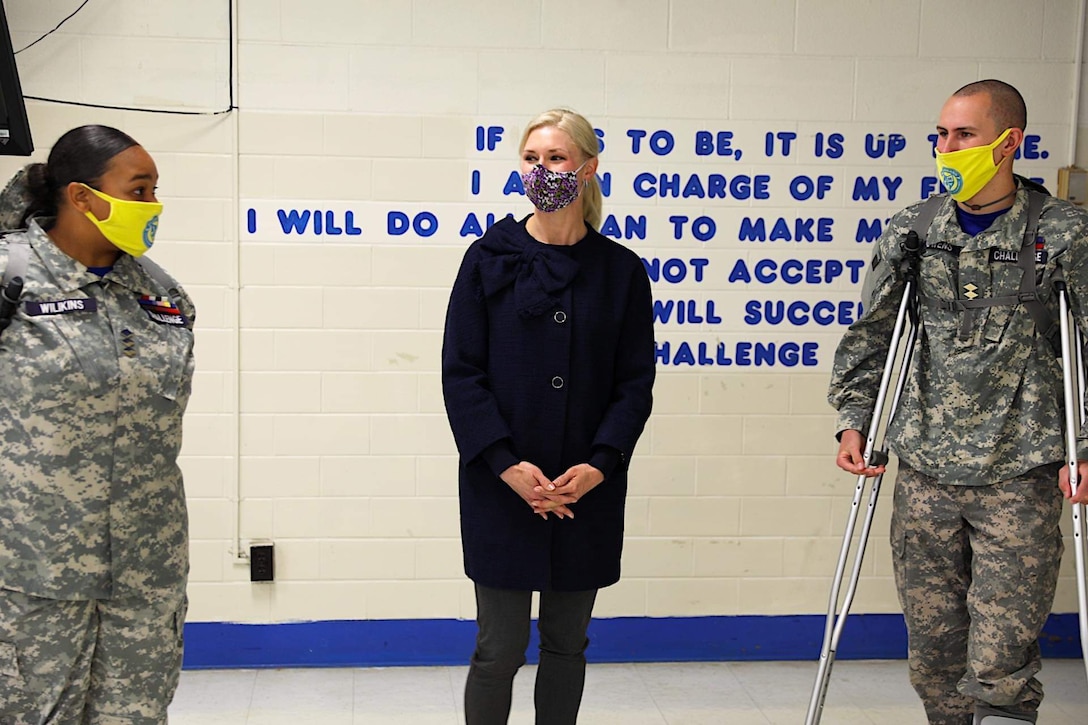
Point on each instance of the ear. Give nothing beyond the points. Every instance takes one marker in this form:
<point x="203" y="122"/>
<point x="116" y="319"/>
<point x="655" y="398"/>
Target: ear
<point x="78" y="196"/>
<point x="591" y="168"/>
<point x="1012" y="142"/>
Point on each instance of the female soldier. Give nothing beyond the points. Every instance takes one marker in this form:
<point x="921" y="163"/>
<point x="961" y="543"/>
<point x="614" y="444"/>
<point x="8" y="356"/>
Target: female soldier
<point x="547" y="371"/>
<point x="95" y="372"/>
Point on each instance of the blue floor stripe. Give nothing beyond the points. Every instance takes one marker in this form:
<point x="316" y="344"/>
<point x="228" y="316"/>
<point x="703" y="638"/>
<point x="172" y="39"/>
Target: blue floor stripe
<point x="392" y="642"/>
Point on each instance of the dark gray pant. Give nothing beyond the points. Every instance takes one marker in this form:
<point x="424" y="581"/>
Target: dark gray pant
<point x="503" y="617"/>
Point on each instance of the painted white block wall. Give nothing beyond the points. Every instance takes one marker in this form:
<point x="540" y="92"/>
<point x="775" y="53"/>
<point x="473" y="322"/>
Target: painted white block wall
<point x="346" y="462"/>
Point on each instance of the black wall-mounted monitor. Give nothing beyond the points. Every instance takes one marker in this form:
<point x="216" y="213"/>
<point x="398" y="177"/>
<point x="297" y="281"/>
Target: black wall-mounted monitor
<point x="14" y="128"/>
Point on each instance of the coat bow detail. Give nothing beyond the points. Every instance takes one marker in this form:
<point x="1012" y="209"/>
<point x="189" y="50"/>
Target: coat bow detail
<point x="538" y="273"/>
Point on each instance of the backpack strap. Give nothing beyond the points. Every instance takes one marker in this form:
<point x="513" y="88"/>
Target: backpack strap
<point x="173" y="292"/>
<point x="159" y="275"/>
<point x="18" y="258"/>
<point x="1025" y="259"/>
<point x="11" y="286"/>
<point x="1045" y="323"/>
<point x="925" y="217"/>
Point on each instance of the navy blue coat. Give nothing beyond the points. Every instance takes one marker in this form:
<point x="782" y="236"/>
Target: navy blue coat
<point x="548" y="357"/>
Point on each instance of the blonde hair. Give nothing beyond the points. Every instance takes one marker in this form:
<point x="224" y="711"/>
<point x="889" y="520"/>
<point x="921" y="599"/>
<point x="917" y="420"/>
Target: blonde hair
<point x="585" y="140"/>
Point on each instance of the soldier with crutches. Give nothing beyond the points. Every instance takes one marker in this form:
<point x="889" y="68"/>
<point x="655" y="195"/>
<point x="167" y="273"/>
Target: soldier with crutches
<point x="977" y="419"/>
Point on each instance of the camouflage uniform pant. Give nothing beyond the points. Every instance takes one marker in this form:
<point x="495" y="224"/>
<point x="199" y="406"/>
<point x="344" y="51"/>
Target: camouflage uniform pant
<point x="96" y="662"/>
<point x="976" y="568"/>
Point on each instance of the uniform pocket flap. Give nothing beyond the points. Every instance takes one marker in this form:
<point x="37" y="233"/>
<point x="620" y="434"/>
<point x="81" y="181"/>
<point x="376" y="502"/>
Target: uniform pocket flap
<point x="9" y="660"/>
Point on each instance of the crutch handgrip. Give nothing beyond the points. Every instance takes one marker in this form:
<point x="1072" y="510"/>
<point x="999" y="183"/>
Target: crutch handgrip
<point x="912" y="255"/>
<point x="878" y="458"/>
<point x="911" y="244"/>
<point x="9" y="301"/>
<point x="908" y="267"/>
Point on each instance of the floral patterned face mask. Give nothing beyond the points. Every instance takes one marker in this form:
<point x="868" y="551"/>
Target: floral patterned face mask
<point x="551" y="190"/>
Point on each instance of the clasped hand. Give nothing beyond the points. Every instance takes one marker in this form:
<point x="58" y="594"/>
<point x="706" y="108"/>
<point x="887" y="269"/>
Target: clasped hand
<point x="545" y="496"/>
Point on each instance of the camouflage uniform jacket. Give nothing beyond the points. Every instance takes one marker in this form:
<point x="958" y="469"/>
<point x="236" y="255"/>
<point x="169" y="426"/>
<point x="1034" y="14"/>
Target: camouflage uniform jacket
<point x="984" y="400"/>
<point x="94" y="378"/>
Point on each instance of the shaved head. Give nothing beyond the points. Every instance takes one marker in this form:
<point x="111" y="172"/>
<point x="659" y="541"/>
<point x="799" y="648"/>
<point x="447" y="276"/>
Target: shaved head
<point x="1007" y="107"/>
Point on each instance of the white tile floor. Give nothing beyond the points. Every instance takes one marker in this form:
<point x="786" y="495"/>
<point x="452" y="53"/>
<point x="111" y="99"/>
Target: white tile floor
<point x="723" y="693"/>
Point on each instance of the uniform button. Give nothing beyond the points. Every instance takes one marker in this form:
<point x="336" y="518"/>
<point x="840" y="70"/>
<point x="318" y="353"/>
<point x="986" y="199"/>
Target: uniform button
<point x="557" y="382"/>
<point x="560" y="317"/>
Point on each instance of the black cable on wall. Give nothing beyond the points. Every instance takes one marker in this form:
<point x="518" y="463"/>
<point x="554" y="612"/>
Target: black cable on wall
<point x="230" y="74"/>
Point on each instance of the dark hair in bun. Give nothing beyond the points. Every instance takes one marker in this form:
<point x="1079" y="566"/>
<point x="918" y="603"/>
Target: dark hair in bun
<point x="81" y="155"/>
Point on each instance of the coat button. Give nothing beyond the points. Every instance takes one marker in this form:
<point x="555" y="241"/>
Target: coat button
<point x="560" y="317"/>
<point x="557" y="382"/>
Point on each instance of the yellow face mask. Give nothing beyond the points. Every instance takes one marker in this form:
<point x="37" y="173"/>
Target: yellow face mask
<point x="131" y="225"/>
<point x="966" y="171"/>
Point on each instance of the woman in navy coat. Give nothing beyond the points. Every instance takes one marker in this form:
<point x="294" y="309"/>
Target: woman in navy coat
<point x="547" y="374"/>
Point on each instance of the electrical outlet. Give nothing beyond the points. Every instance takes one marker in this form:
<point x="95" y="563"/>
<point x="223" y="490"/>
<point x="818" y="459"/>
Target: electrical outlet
<point x="261" y="563"/>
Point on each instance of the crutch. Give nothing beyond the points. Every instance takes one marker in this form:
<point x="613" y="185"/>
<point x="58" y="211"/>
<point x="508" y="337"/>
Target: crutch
<point x="874" y="455"/>
<point x="1072" y="359"/>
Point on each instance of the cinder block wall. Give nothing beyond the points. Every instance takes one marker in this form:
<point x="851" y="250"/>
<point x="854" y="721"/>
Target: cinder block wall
<point x="396" y="124"/>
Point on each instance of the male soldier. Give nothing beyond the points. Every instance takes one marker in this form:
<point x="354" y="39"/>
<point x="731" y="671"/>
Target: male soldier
<point x="978" y="432"/>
